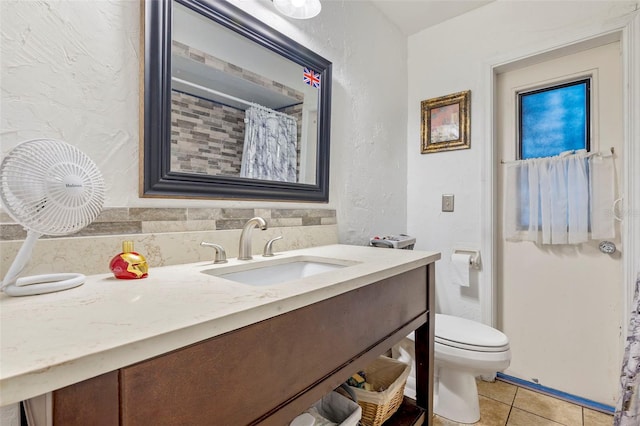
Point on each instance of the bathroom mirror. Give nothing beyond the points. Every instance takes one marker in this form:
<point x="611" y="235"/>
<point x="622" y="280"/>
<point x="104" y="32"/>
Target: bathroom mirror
<point x="232" y="109"/>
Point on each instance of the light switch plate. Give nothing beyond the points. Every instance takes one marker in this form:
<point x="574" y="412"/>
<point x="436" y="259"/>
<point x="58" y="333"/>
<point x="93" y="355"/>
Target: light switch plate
<point x="447" y="202"/>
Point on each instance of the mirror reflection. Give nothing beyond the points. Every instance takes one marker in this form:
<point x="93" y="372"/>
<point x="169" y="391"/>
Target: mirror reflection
<point x="232" y="108"/>
<point x="238" y="109"/>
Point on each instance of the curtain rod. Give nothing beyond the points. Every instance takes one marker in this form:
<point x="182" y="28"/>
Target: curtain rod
<point x="232" y="98"/>
<point x="591" y="154"/>
<point x="213" y="92"/>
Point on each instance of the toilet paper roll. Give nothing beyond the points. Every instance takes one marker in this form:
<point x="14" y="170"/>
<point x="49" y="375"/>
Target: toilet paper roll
<point x="460" y="264"/>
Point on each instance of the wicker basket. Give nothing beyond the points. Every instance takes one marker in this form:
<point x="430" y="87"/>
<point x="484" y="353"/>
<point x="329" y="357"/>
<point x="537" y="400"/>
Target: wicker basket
<point x="389" y="374"/>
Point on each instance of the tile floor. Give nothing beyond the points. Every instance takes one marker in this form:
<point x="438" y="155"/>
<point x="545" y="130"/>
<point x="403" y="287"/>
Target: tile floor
<point x="503" y="404"/>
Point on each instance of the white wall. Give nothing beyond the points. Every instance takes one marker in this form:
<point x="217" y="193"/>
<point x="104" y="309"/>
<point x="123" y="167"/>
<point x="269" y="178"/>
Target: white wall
<point x="368" y="132"/>
<point x="452" y="57"/>
<point x="69" y="70"/>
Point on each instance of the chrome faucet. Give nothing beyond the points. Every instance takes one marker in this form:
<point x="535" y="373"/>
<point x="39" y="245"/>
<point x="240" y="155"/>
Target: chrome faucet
<point x="268" y="248"/>
<point x="221" y="255"/>
<point x="244" y="252"/>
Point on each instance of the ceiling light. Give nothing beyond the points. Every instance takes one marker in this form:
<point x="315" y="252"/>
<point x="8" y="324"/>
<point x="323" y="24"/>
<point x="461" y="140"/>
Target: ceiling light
<point x="298" y="9"/>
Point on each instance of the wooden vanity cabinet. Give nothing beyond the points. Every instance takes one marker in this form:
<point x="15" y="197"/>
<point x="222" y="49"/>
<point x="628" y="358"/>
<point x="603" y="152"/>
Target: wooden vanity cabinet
<point x="268" y="372"/>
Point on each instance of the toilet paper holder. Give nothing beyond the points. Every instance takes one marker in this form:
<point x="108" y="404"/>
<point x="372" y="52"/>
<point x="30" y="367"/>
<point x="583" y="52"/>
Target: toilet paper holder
<point x="475" y="262"/>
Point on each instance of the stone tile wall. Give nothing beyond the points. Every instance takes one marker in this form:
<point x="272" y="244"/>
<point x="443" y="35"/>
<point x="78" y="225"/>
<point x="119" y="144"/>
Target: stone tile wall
<point x="166" y="236"/>
<point x="229" y="68"/>
<point x="206" y="137"/>
<point x="135" y="220"/>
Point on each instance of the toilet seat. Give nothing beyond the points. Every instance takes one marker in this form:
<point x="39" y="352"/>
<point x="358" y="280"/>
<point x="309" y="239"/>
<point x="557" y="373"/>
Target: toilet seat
<point x="470" y="335"/>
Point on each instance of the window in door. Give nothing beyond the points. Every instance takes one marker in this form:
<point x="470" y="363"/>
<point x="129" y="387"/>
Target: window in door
<point x="551" y="120"/>
<point x="554" y="119"/>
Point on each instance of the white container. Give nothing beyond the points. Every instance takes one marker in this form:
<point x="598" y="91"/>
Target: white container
<point x="335" y="408"/>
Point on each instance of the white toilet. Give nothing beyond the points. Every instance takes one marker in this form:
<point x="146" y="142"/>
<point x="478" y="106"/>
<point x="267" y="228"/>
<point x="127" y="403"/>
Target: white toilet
<point x="464" y="349"/>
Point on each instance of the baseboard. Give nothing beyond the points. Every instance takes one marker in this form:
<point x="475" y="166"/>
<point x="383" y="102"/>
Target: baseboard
<point x="597" y="406"/>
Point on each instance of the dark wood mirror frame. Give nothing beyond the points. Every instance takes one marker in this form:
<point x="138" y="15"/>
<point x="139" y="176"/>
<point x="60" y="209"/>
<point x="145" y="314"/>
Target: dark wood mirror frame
<point x="157" y="179"/>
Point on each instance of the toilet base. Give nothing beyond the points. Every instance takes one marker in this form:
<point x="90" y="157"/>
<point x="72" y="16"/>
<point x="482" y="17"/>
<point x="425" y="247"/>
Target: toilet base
<point x="456" y="397"/>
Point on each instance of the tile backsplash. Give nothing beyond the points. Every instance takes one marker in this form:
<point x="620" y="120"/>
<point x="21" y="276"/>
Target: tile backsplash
<point x="166" y="236"/>
<point x="133" y="220"/>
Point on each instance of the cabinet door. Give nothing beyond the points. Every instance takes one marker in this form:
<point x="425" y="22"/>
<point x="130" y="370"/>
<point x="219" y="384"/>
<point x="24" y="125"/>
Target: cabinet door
<point x="271" y="371"/>
<point x="91" y="402"/>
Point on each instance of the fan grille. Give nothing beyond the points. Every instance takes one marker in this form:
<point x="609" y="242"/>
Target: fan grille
<point x="51" y="187"/>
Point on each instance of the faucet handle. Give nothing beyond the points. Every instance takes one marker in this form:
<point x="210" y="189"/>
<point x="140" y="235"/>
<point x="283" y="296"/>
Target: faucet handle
<point x="268" y="248"/>
<point x="221" y="255"/>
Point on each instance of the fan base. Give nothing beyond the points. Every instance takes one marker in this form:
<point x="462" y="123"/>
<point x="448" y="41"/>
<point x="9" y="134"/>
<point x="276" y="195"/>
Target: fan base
<point x="42" y="284"/>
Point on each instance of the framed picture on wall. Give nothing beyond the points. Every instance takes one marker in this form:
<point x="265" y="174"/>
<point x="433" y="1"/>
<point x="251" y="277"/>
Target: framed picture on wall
<point x="445" y="123"/>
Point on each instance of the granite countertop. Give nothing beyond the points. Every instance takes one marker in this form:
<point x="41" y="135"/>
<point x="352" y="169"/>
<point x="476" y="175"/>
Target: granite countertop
<point x="53" y="340"/>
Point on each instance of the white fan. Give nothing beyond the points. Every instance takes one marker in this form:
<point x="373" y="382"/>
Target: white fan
<point x="50" y="188"/>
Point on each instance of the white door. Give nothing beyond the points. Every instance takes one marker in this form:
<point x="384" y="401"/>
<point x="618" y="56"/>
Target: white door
<point x="562" y="306"/>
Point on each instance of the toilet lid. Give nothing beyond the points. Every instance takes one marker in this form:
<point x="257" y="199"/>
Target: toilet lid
<point x="467" y="334"/>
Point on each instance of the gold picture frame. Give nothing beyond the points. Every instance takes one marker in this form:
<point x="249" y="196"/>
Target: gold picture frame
<point x="445" y="123"/>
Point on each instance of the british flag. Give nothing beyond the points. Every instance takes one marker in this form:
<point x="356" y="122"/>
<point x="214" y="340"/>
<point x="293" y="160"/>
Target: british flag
<point x="311" y="77"/>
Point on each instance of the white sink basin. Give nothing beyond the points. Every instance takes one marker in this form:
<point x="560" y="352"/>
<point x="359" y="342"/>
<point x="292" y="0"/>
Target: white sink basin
<point x="279" y="271"/>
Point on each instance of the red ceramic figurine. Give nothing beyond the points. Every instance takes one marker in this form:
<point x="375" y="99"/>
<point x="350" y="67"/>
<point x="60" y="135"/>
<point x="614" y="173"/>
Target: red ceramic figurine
<point x="129" y="264"/>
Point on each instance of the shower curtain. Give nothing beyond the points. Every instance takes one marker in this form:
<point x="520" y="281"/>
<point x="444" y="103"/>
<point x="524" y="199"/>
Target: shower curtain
<point x="628" y="408"/>
<point x="269" y="145"/>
